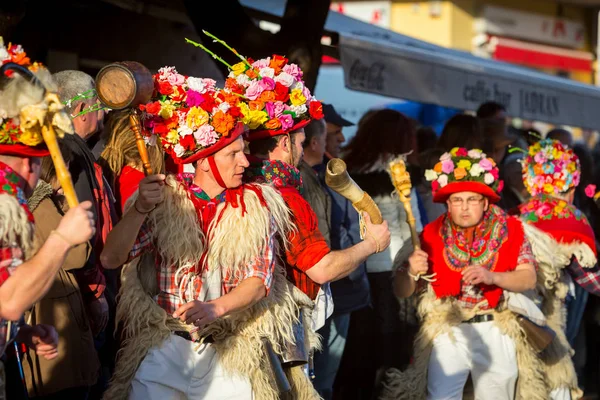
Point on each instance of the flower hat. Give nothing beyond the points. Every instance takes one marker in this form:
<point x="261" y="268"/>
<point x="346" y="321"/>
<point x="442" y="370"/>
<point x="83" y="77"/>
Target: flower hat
<point x="551" y="168"/>
<point x="275" y="100"/>
<point x="191" y="117"/>
<point x="463" y="170"/>
<point x="24" y="108"/>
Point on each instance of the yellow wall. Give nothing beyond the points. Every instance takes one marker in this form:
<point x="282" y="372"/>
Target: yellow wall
<point x="412" y="18"/>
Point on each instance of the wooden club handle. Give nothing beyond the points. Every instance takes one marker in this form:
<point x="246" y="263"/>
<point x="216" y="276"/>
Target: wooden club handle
<point x="62" y="173"/>
<point x="136" y="127"/>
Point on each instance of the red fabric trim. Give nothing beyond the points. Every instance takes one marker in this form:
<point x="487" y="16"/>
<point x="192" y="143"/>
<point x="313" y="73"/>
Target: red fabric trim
<point x="21" y="150"/>
<point x="221" y="143"/>
<point x="541" y="59"/>
<point x="448" y="281"/>
<point x="127" y="184"/>
<point x="456" y="187"/>
<point x="215" y="170"/>
<point x="569" y="231"/>
<point x="257" y="135"/>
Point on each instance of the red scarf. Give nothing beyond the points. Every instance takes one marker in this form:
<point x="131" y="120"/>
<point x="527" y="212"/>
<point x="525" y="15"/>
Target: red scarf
<point x="494" y="244"/>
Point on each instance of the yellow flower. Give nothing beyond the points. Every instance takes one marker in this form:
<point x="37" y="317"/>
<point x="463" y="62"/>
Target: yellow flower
<point x="297" y="98"/>
<point x="173" y="137"/>
<point x="548" y="188"/>
<point x="31" y="138"/>
<point x="454" y="151"/>
<point x="466" y="164"/>
<point x="166" y="109"/>
<point x="257" y="118"/>
<point x="196" y="117"/>
<point x="572" y="167"/>
<point x="239" y="68"/>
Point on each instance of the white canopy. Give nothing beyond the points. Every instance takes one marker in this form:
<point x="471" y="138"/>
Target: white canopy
<point x="380" y="61"/>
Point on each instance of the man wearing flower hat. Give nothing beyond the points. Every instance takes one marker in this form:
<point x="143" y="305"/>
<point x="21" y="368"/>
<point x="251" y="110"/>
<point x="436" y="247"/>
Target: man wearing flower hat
<point x="470" y="256"/>
<point x="27" y="273"/>
<point x="564" y="246"/>
<point x="203" y="289"/>
<point x="277" y="107"/>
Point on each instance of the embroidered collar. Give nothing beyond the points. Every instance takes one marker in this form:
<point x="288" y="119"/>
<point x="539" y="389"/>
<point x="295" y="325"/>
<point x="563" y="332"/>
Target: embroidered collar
<point x="9" y="184"/>
<point x="188" y="180"/>
<point x="475" y="246"/>
<point x="277" y="173"/>
<point x="545" y="208"/>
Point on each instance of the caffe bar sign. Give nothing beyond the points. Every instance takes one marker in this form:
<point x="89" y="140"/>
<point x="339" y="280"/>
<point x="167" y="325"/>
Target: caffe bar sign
<point x="428" y="77"/>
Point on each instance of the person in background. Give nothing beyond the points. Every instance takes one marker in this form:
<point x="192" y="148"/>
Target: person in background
<point x="427" y="158"/>
<point x="339" y="224"/>
<point x="71" y="375"/>
<point x="562" y="135"/>
<point x="463" y="131"/>
<point x="120" y="158"/>
<point x="383" y="135"/>
<point x="335" y="135"/>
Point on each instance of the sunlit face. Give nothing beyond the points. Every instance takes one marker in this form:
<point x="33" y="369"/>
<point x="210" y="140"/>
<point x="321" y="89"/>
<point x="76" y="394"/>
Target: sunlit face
<point x="231" y="163"/>
<point x="88" y="124"/>
<point x="467" y="208"/>
<point x="335" y="138"/>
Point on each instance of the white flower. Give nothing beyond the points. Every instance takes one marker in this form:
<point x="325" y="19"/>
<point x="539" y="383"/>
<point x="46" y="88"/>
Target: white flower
<point x="285" y="79"/>
<point x="149" y="140"/>
<point x="443" y="180"/>
<point x="299" y="110"/>
<point x="475" y="153"/>
<point x="446" y="156"/>
<point x="3" y="54"/>
<point x="242" y="79"/>
<point x="488" y="178"/>
<point x="430" y="175"/>
<point x="268" y="72"/>
<point x="224" y="106"/>
<point x="476" y="169"/>
<point x="179" y="150"/>
<point x="184" y="130"/>
<point x="200" y="85"/>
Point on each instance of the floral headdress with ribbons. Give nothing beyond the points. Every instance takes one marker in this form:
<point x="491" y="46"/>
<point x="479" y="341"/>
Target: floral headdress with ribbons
<point x="23" y="110"/>
<point x="275" y="100"/>
<point x="551" y="168"/>
<point x="191" y="117"/>
<point x="462" y="170"/>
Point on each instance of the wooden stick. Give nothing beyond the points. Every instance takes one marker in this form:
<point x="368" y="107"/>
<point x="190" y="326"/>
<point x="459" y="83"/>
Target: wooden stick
<point x="62" y="173"/>
<point x="136" y="127"/>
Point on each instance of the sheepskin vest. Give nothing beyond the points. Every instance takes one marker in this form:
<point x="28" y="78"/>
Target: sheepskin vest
<point x="438" y="317"/>
<point x="234" y="239"/>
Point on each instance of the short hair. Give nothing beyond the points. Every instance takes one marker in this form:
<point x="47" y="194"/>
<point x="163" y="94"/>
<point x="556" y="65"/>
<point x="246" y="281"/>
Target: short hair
<point x="489" y="109"/>
<point x="71" y="83"/>
<point x="560" y="134"/>
<point x="316" y="128"/>
<point x="267" y="145"/>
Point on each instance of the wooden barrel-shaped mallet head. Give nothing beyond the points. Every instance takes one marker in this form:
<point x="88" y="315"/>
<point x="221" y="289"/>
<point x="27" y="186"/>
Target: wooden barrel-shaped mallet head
<point x="127" y="84"/>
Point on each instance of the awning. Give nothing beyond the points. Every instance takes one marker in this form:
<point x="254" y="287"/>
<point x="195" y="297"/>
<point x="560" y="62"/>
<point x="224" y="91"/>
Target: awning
<point x="539" y="56"/>
<point x="380" y="61"/>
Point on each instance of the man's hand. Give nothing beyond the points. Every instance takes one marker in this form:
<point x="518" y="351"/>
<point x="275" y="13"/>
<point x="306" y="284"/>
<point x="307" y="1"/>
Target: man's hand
<point x="77" y="226"/>
<point x="379" y="235"/>
<point x="44" y="340"/>
<point x="476" y="274"/>
<point x="417" y="263"/>
<point x="98" y="314"/>
<point x="150" y="193"/>
<point x="199" y="313"/>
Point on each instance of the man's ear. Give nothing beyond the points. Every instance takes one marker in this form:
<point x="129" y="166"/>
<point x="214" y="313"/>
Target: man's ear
<point x="486" y="204"/>
<point x="285" y="143"/>
<point x="203" y="165"/>
<point x="80" y="107"/>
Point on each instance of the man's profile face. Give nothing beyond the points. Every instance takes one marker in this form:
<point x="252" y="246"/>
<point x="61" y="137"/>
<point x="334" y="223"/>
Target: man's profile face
<point x="334" y="141"/>
<point x="467" y="208"/>
<point x="231" y="162"/>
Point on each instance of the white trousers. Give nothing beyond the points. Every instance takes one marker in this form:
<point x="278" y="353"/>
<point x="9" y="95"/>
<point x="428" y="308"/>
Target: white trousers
<point x="479" y="349"/>
<point x="175" y="371"/>
<point x="561" y="394"/>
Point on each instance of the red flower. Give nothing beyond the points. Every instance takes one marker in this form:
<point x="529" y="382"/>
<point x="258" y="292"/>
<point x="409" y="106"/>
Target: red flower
<point x="188" y="142"/>
<point x="165" y="88"/>
<point x="160" y="129"/>
<point x="435" y="186"/>
<point x="153" y="108"/>
<point x="208" y="104"/>
<point x="281" y="93"/>
<point x="462" y="152"/>
<point x="315" y="109"/>
<point x="495" y="173"/>
<point x="234" y="111"/>
<point x="180" y="94"/>
<point x="500" y="186"/>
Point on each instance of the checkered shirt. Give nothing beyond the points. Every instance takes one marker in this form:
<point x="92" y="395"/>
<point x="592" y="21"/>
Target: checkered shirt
<point x="472" y="294"/>
<point x="11" y="256"/>
<point x="587" y="278"/>
<point x="181" y="285"/>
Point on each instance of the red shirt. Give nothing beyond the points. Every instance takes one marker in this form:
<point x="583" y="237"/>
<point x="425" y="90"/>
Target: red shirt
<point x="127" y="184"/>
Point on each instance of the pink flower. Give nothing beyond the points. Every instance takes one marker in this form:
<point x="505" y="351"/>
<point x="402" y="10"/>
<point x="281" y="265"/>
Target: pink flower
<point x="275" y="110"/>
<point x="176" y="79"/>
<point x="267" y="83"/>
<point x="306" y="93"/>
<point x="435" y="186"/>
<point x="206" y="135"/>
<point x="447" y="166"/>
<point x="194" y="99"/>
<point x="543" y="209"/>
<point x="495" y="173"/>
<point x="500" y="186"/>
<point x="286" y="121"/>
<point x="590" y="190"/>
<point x="443" y="180"/>
<point x="263" y="63"/>
<point x="293" y="70"/>
<point x="285" y="79"/>
<point x="254" y="90"/>
<point x="540" y="158"/>
<point x="446" y="156"/>
<point x="486" y="164"/>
